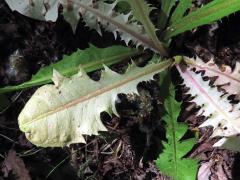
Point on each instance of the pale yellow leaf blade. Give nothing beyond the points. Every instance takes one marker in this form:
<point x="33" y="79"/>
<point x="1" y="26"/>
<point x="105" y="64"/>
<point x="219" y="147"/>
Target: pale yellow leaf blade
<point x="59" y="114"/>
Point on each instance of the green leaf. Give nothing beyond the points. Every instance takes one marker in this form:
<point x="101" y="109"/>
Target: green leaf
<point x="180" y="10"/>
<point x="91" y="59"/>
<point x="172" y="162"/>
<point x="141" y="11"/>
<point x="213" y="11"/>
<point x="166" y="6"/>
<point x="59" y="114"/>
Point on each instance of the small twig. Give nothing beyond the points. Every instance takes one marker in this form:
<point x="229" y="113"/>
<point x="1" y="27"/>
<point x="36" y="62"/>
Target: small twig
<point x="30" y="154"/>
<point x="9" y="139"/>
<point x="2" y="156"/>
<point x="12" y="101"/>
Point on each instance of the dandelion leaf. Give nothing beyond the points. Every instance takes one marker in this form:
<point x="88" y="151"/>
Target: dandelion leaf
<point x="59" y="114"/>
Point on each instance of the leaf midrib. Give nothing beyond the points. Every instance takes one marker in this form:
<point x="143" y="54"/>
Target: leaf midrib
<point x="174" y="141"/>
<point x="204" y="93"/>
<point x="124" y="27"/>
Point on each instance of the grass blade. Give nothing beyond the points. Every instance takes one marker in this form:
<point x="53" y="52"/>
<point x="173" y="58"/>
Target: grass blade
<point x="5" y="103"/>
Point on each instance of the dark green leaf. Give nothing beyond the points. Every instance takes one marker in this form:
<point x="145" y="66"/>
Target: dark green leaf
<point x="213" y="11"/>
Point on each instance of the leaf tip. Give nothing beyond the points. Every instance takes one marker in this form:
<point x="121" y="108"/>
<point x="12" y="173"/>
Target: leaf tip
<point x="57" y="78"/>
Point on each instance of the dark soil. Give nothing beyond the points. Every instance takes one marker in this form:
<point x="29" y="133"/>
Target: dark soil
<point x="133" y="142"/>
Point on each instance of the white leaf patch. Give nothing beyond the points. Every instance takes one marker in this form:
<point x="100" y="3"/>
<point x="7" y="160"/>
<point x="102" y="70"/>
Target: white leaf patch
<point x="226" y="78"/>
<point x="46" y="10"/>
<point x="222" y="116"/>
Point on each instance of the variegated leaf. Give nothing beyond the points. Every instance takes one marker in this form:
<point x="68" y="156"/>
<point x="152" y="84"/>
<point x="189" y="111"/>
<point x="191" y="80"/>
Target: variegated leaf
<point x="96" y="14"/>
<point x="222" y="116"/>
<point x="226" y="78"/>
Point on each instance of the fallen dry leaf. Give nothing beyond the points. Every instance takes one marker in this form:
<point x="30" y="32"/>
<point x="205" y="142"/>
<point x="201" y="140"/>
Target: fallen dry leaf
<point x="15" y="165"/>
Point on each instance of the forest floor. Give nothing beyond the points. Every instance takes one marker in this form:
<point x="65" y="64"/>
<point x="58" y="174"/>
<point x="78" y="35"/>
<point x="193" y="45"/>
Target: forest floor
<point x="133" y="142"/>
